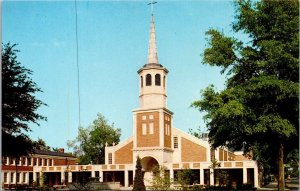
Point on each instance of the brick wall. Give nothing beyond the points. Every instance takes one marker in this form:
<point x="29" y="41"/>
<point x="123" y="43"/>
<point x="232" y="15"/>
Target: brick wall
<point x="192" y="152"/>
<point x="240" y="158"/>
<point x="148" y="140"/>
<point x="60" y="162"/>
<point x="124" y="155"/>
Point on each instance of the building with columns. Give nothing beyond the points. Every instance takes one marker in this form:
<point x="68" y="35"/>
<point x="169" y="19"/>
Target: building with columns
<point x="20" y="171"/>
<point x="157" y="141"/>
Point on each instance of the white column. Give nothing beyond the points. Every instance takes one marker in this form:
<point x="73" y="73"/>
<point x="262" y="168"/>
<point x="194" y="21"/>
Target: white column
<point x="8" y="177"/>
<point x="256" y="177"/>
<point x="211" y="177"/>
<point x="15" y="178"/>
<point x="21" y="177"/>
<point x="27" y="178"/>
<point x="93" y="173"/>
<point x="69" y="177"/>
<point x="201" y="177"/>
<point x="101" y="176"/>
<point x="171" y="174"/>
<point x="2" y="178"/>
<point x="62" y="176"/>
<point x="34" y="176"/>
<point x="133" y="175"/>
<point x="244" y="175"/>
<point x="126" y="178"/>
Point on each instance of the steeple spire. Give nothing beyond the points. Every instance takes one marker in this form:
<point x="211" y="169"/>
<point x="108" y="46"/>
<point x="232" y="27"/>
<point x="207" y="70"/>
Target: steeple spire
<point x="152" y="50"/>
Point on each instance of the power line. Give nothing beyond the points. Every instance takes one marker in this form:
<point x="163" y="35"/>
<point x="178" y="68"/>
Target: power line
<point x="78" y="76"/>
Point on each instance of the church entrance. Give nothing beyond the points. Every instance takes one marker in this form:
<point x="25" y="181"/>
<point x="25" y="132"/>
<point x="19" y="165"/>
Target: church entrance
<point x="148" y="164"/>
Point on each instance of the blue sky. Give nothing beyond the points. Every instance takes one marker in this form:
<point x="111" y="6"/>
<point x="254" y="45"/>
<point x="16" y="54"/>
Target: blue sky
<point x="113" y="41"/>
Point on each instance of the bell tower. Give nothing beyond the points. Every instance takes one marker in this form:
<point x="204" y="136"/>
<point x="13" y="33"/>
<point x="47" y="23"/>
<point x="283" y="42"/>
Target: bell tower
<point x="152" y="121"/>
<point x="153" y="90"/>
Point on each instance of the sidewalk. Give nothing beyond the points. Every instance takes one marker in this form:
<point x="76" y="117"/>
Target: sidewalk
<point x="273" y="186"/>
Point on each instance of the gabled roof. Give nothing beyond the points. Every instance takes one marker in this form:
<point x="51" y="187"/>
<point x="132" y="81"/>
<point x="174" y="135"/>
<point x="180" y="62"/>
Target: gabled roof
<point x="52" y="153"/>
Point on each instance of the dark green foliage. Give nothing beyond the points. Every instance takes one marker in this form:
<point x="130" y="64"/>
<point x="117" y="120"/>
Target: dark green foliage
<point x="40" y="144"/>
<point x="89" y="145"/>
<point x="185" y="177"/>
<point x="292" y="161"/>
<point x="259" y="108"/>
<point x="138" y="184"/>
<point x="19" y="104"/>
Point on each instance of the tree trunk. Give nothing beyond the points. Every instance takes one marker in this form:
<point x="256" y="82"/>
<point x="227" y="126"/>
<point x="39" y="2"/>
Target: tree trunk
<point x="280" y="168"/>
<point x="260" y="174"/>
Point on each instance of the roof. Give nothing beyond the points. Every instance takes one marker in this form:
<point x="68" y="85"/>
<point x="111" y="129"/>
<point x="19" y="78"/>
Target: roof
<point x="52" y="153"/>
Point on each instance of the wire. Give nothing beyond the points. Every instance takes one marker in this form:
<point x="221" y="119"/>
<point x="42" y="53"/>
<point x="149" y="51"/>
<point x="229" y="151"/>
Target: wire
<point x="78" y="76"/>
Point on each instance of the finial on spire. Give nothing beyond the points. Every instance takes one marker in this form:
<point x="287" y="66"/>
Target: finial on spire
<point x="152" y="50"/>
<point x="152" y="3"/>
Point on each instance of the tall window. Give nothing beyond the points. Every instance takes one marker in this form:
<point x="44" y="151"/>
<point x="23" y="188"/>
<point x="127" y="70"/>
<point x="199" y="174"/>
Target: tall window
<point x="148" y="80"/>
<point x="18" y="161"/>
<point x="4" y="160"/>
<point x="157" y="79"/>
<point x="11" y="161"/>
<point x="109" y="158"/>
<point x="151" y="128"/>
<point x="23" y="160"/>
<point x="24" y="176"/>
<point x="144" y="129"/>
<point x="141" y="81"/>
<point x="175" y="141"/>
<point x="164" y="81"/>
<point x="5" y="177"/>
<point x="28" y="161"/>
<point x="18" y="177"/>
<point x="11" y="177"/>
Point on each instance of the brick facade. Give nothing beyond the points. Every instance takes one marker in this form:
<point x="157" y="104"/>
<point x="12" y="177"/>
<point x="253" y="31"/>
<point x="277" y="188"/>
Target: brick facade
<point x="124" y="155"/>
<point x="192" y="152"/>
<point x="147" y="140"/>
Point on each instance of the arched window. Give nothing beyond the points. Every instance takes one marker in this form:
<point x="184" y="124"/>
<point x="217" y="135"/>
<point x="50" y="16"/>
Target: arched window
<point x="164" y="81"/>
<point x="141" y="81"/>
<point x="148" y="80"/>
<point x="157" y="79"/>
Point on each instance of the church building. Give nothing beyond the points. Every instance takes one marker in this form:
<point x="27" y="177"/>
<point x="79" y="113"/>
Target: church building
<point x="157" y="141"/>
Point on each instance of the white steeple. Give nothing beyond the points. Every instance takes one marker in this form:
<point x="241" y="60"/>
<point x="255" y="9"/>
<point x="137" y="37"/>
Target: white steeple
<point x="152" y="50"/>
<point x="153" y="85"/>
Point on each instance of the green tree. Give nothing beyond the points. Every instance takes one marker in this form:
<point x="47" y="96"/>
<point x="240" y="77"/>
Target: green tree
<point x="185" y="177"/>
<point x="160" y="178"/>
<point x="90" y="142"/>
<point x="40" y="144"/>
<point x="292" y="161"/>
<point x="19" y="104"/>
<point x="138" y="183"/>
<point x="259" y="105"/>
